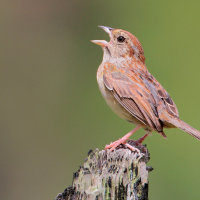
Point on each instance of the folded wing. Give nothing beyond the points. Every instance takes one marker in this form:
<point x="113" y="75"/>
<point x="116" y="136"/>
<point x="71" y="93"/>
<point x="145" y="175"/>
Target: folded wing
<point x="131" y="92"/>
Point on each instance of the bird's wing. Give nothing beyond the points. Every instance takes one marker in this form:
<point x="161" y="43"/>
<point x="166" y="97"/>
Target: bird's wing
<point x="164" y="101"/>
<point x="137" y="95"/>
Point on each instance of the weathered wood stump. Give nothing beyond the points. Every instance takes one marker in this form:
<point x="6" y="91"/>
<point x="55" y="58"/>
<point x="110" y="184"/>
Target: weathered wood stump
<point x="117" y="175"/>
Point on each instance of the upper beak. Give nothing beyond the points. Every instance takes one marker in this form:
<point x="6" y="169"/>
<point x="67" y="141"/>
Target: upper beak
<point x="103" y="42"/>
<point x="107" y="29"/>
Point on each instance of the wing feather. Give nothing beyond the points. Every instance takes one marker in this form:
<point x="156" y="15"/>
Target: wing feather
<point x="133" y="99"/>
<point x="139" y="97"/>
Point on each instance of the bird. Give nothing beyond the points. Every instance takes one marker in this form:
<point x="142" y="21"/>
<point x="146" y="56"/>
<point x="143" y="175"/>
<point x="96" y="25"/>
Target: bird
<point x="132" y="92"/>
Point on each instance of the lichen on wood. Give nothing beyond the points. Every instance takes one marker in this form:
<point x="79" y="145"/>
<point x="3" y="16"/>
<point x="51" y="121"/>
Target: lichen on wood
<point x="117" y="175"/>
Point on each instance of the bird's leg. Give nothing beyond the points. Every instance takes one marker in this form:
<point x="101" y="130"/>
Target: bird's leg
<point x="113" y="145"/>
<point x="138" y="142"/>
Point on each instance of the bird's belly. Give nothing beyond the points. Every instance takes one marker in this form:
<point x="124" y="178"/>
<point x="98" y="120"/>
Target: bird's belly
<point x="116" y="106"/>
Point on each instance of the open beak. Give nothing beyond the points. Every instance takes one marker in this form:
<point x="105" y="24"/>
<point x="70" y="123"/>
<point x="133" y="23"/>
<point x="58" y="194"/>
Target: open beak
<point x="103" y="42"/>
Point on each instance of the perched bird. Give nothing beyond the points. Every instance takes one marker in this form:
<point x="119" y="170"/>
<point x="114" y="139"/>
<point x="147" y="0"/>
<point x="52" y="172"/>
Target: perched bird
<point x="131" y="91"/>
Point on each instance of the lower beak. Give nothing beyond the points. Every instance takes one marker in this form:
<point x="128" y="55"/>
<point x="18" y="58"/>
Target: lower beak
<point x="100" y="42"/>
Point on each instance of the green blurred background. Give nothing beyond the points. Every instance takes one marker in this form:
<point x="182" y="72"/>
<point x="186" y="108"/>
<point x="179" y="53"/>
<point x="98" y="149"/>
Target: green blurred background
<point x="52" y="112"/>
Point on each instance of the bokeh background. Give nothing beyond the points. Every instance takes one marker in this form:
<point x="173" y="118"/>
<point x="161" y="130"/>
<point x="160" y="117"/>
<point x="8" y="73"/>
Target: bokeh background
<point x="51" y="110"/>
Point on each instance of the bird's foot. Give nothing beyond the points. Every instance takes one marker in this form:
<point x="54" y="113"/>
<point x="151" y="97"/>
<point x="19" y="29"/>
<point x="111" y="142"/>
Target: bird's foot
<point x="123" y="140"/>
<point x="113" y="145"/>
<point x="130" y="143"/>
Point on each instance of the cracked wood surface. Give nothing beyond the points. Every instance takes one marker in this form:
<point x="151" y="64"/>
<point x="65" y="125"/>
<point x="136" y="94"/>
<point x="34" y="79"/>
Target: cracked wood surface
<point x="117" y="175"/>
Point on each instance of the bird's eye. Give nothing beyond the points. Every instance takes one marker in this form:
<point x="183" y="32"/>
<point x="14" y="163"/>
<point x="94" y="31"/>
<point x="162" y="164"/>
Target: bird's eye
<point x="121" y="39"/>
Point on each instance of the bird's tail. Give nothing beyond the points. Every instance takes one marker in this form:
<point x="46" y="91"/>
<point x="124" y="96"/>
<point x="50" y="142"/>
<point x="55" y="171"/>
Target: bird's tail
<point x="185" y="127"/>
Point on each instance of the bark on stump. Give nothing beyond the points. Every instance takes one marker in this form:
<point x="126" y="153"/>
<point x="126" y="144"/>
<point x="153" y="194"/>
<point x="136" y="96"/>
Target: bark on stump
<point x="117" y="175"/>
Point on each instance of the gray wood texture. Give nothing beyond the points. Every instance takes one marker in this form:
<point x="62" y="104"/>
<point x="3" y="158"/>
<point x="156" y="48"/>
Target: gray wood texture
<point x="117" y="175"/>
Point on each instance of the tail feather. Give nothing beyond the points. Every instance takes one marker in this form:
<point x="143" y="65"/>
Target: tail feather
<point x="185" y="127"/>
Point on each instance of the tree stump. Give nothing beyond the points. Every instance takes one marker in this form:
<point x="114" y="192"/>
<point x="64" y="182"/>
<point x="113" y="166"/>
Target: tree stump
<point x="117" y="175"/>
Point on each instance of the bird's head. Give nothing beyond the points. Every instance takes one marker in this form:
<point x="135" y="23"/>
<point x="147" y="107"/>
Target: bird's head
<point x="122" y="44"/>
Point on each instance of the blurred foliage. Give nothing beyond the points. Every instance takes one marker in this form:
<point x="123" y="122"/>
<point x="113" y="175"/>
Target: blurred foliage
<point x="52" y="112"/>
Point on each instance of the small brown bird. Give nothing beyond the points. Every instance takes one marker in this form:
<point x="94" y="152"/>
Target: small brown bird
<point x="131" y="91"/>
